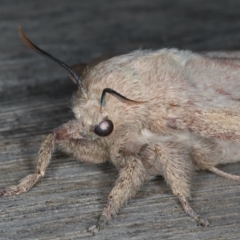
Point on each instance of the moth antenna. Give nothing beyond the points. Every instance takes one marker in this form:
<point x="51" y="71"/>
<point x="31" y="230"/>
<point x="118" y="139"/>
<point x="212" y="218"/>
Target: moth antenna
<point x="119" y="97"/>
<point x="35" y="48"/>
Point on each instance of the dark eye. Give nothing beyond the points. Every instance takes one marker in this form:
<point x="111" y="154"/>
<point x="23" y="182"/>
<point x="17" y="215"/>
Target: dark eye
<point x="104" y="128"/>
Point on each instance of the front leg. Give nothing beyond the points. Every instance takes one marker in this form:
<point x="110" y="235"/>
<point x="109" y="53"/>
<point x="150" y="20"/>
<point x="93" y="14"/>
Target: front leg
<point x="43" y="160"/>
<point x="65" y="139"/>
<point x="131" y="177"/>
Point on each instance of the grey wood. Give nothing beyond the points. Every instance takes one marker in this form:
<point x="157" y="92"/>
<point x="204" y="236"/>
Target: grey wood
<point x="34" y="99"/>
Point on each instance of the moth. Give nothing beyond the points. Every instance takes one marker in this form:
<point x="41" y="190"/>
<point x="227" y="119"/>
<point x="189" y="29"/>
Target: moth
<point x="166" y="112"/>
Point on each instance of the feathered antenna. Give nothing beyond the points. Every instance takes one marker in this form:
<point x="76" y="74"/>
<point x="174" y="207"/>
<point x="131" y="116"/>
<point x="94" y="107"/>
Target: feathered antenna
<point x="45" y="54"/>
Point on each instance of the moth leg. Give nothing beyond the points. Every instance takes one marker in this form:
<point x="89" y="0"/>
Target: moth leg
<point x="224" y="174"/>
<point x="83" y="151"/>
<point x="43" y="159"/>
<point x="130" y="179"/>
<point x="177" y="172"/>
<point x="206" y="155"/>
<point x="188" y="209"/>
<point x="70" y="141"/>
<point x="63" y="139"/>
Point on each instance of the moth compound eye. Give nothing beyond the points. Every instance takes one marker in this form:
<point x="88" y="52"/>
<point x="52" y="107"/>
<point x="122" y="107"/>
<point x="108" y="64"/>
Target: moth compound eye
<point x="104" y="128"/>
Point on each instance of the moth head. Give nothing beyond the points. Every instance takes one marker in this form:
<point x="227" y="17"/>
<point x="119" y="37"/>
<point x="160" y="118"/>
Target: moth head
<point x="95" y="115"/>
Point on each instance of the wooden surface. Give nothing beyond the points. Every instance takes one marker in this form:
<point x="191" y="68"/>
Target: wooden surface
<point x="34" y="99"/>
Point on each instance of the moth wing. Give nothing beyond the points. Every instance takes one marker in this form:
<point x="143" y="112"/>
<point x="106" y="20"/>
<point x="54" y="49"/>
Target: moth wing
<point x="231" y="55"/>
<point x="218" y="113"/>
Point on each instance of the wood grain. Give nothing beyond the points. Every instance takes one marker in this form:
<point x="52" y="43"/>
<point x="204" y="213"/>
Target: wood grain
<point x="35" y="97"/>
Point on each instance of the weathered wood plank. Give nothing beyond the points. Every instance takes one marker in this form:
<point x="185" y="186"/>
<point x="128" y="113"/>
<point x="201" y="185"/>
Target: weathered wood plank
<point x="34" y="99"/>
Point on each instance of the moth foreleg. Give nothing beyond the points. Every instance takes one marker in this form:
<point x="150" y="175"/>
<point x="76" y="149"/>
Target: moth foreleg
<point x="63" y="138"/>
<point x="43" y="160"/>
<point x="70" y="141"/>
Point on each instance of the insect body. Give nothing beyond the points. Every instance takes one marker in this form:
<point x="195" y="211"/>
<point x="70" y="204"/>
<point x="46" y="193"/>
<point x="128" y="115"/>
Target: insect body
<point x="165" y="112"/>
